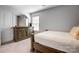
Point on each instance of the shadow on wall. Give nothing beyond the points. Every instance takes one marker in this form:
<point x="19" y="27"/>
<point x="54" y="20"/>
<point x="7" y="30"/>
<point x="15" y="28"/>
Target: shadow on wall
<point x="0" y="37"/>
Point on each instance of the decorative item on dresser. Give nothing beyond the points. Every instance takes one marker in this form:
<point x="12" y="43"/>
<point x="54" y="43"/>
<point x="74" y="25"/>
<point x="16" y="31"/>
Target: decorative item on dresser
<point x="20" y="33"/>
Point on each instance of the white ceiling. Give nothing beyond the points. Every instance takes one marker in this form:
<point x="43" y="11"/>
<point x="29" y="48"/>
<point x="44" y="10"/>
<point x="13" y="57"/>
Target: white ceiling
<point x="31" y="8"/>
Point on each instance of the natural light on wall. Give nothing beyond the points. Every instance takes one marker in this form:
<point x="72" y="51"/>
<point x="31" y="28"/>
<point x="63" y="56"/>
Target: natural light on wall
<point x="35" y="23"/>
<point x="27" y="21"/>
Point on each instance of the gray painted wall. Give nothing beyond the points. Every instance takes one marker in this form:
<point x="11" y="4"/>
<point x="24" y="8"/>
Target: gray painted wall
<point x="22" y="20"/>
<point x="0" y="37"/>
<point x="60" y="18"/>
<point x="7" y="21"/>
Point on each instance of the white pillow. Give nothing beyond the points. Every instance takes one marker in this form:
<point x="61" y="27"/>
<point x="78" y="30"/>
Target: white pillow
<point x="75" y="32"/>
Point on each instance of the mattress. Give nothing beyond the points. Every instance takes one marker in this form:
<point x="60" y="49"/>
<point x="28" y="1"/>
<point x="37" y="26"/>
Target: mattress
<point x="23" y="46"/>
<point x="59" y="40"/>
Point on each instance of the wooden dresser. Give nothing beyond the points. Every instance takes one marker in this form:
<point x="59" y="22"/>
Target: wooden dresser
<point x="20" y="33"/>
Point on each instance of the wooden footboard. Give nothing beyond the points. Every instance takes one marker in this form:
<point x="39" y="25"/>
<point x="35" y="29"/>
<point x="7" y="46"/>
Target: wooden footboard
<point x="45" y="49"/>
<point x="41" y="48"/>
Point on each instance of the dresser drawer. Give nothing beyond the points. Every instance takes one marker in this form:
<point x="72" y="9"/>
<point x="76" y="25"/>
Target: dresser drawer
<point x="20" y="33"/>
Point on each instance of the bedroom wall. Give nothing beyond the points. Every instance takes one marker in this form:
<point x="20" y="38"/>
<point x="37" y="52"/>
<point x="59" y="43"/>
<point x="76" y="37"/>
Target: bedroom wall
<point x="60" y="18"/>
<point x="0" y="37"/>
<point x="22" y="20"/>
<point x="7" y="21"/>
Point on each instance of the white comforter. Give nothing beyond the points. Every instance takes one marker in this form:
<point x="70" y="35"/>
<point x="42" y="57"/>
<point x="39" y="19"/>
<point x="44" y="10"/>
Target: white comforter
<point x="23" y="46"/>
<point x="59" y="40"/>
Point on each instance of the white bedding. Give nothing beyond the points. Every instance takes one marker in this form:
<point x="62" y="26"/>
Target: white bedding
<point x="59" y="40"/>
<point x="23" y="46"/>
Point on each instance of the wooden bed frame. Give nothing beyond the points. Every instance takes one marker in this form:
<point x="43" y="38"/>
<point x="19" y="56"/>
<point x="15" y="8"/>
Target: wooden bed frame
<point x="37" y="47"/>
<point x="45" y="49"/>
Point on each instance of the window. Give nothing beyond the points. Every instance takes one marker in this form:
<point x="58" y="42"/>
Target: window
<point x="35" y="23"/>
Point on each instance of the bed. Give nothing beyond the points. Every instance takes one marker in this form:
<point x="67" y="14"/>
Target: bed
<point x="55" y="41"/>
<point x="23" y="46"/>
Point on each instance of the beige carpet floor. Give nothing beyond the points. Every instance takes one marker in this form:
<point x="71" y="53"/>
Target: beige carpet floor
<point x="23" y="46"/>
